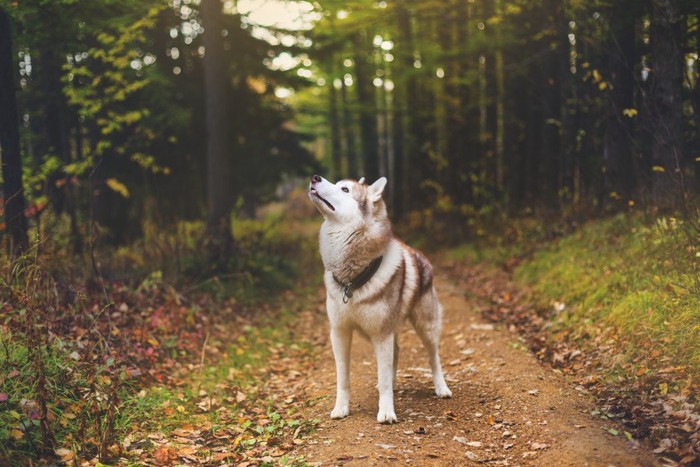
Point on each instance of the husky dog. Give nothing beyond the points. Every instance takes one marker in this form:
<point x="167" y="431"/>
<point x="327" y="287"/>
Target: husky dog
<point x="373" y="281"/>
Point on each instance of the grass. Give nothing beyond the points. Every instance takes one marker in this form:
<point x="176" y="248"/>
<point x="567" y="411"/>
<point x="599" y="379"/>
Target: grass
<point x="627" y="279"/>
<point x="637" y="279"/>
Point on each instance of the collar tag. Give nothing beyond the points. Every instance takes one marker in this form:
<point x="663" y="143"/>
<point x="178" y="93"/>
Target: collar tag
<point x="347" y="293"/>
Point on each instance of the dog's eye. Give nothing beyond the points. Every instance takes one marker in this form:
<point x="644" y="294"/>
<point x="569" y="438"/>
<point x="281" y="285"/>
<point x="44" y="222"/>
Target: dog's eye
<point x="345" y="189"/>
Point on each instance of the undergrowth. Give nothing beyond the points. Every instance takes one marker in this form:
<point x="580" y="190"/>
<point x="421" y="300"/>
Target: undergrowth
<point x="632" y="278"/>
<point x="91" y="360"/>
<point x="638" y="278"/>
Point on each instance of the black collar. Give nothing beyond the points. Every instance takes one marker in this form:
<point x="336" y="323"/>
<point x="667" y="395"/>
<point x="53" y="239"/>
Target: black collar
<point x="359" y="280"/>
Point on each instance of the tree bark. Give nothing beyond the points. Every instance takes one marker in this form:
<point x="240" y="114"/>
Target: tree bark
<point x="406" y="135"/>
<point x="368" y="110"/>
<point x="348" y="130"/>
<point x="618" y="175"/>
<point x="666" y="102"/>
<point x="56" y="126"/>
<point x="499" y="137"/>
<point x="218" y="230"/>
<point x="334" y="123"/>
<point x="13" y="190"/>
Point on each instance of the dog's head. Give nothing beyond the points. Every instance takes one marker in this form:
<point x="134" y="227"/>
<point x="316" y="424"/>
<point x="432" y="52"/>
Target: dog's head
<point x="348" y="200"/>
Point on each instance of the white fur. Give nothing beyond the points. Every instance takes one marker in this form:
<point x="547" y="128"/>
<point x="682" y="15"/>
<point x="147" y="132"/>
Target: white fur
<point x="368" y="311"/>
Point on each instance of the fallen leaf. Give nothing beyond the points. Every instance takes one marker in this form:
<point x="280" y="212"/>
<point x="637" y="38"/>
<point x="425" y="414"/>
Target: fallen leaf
<point x="66" y="455"/>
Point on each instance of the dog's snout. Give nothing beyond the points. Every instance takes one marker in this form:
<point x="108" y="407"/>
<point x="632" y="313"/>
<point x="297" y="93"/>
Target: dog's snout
<point x="316" y="179"/>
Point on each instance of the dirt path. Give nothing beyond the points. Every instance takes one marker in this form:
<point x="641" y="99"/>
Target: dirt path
<point x="507" y="409"/>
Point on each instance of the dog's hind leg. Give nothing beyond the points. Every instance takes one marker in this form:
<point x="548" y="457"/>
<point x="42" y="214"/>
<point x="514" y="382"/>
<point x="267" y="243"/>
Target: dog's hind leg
<point x="428" y="326"/>
<point x="384" y="351"/>
<point x="341" y="340"/>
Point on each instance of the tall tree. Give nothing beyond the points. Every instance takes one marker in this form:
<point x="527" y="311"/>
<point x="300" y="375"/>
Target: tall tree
<point x="364" y="72"/>
<point x="667" y="24"/>
<point x="334" y="118"/>
<point x="219" y="194"/>
<point x="621" y="54"/>
<point x="13" y="190"/>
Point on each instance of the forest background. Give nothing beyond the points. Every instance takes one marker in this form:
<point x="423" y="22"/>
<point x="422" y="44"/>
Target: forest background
<point x="143" y="142"/>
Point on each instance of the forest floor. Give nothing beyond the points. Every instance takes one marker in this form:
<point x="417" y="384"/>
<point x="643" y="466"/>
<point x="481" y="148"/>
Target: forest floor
<point x="195" y="378"/>
<point x="507" y="408"/>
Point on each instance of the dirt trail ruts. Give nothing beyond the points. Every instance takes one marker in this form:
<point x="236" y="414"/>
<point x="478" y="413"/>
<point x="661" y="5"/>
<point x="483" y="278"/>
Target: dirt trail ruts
<point x="507" y="409"/>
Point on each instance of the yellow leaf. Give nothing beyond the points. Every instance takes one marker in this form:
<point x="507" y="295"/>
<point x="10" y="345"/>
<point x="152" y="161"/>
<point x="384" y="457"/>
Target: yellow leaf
<point x="658" y="168"/>
<point x="153" y="342"/>
<point x="66" y="455"/>
<point x="16" y="434"/>
<point x="117" y="186"/>
<point x="663" y="387"/>
<point x="180" y="409"/>
<point x="631" y="113"/>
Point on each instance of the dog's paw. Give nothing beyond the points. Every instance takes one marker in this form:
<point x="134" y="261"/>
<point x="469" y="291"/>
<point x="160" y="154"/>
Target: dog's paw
<point x="387" y="417"/>
<point x="340" y="412"/>
<point x="443" y="392"/>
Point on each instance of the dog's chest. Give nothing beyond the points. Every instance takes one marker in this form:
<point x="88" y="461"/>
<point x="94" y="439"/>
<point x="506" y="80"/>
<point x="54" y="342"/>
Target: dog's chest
<point x="372" y="319"/>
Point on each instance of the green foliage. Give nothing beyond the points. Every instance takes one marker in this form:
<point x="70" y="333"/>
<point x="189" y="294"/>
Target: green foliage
<point x="638" y="279"/>
<point x="105" y="85"/>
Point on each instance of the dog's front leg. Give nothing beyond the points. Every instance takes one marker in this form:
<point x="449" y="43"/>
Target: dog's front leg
<point x="384" y="351"/>
<point x="341" y="339"/>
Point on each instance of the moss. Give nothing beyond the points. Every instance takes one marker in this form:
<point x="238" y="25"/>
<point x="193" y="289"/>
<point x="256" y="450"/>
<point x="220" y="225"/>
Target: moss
<point x="635" y="277"/>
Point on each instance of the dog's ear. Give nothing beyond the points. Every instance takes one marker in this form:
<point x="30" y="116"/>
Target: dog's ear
<point x="376" y="189"/>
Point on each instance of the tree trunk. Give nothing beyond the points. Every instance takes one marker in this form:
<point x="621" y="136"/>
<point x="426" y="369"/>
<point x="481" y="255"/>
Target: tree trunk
<point x="368" y="110"/>
<point x="550" y="171"/>
<point x="13" y="190"/>
<point x="667" y="79"/>
<point x="499" y="137"/>
<point x="348" y="129"/>
<point x="218" y="231"/>
<point x="618" y="175"/>
<point x="56" y="126"/>
<point x="333" y="121"/>
<point x="407" y="128"/>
